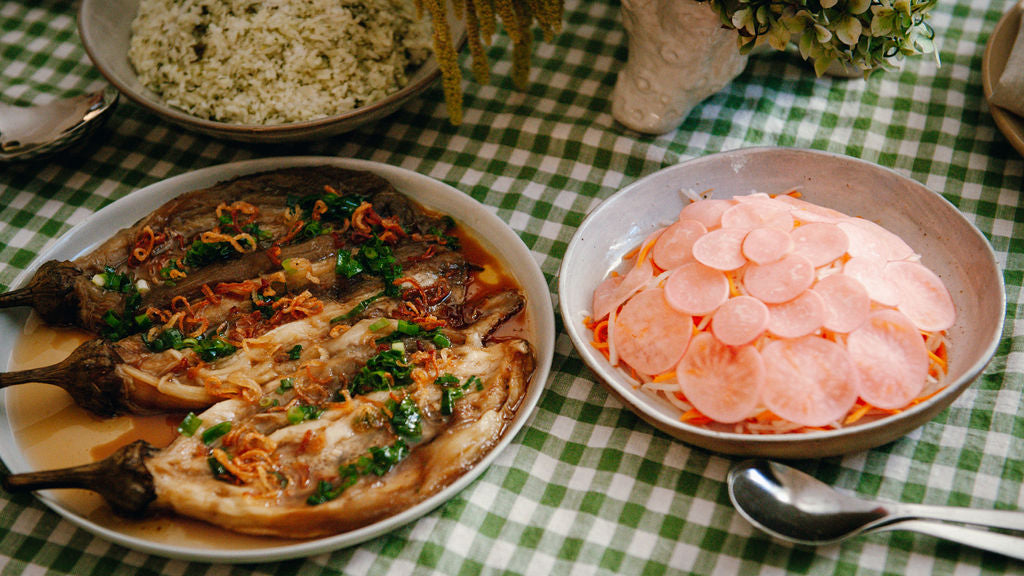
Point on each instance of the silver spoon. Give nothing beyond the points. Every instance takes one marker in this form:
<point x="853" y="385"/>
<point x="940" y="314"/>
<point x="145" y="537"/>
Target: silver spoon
<point x="794" y="506"/>
<point x="35" y="131"/>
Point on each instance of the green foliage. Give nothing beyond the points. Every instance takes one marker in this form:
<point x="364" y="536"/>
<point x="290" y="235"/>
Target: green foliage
<point x="859" y="34"/>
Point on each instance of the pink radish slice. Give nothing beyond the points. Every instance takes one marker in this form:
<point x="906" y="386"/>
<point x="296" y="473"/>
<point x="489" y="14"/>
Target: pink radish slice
<point x="847" y="303"/>
<point x="867" y="238"/>
<point x="605" y="296"/>
<point x="924" y="298"/>
<point x="635" y="279"/>
<point x="798" y="317"/>
<point x="721" y="249"/>
<point x="707" y="212"/>
<point x="695" y="289"/>
<point x="820" y="242"/>
<point x="808" y="212"/>
<point x="779" y="281"/>
<point x="808" y="380"/>
<point x="739" y="320"/>
<point x="870" y="272"/>
<point x="755" y="214"/>
<point x="650" y="336"/>
<point x="722" y="382"/>
<point x="891" y="359"/>
<point x="764" y="245"/>
<point x="675" y="247"/>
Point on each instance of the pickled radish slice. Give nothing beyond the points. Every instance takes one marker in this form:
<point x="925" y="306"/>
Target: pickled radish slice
<point x="755" y="214"/>
<point x="870" y="272"/>
<point x="797" y="317"/>
<point x="764" y="245"/>
<point x="695" y="289"/>
<point x="810" y="212"/>
<point x="810" y="380"/>
<point x="650" y="336"/>
<point x="605" y="297"/>
<point x="924" y="298"/>
<point x="779" y="281"/>
<point x="707" y="212"/>
<point x="722" y="382"/>
<point x="867" y="238"/>
<point x="635" y="279"/>
<point x="739" y="320"/>
<point x="721" y="249"/>
<point x="891" y="358"/>
<point x="847" y="303"/>
<point x="675" y="247"/>
<point x="819" y="242"/>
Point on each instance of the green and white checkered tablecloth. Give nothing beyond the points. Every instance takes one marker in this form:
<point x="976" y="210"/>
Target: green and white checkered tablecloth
<point x="586" y="487"/>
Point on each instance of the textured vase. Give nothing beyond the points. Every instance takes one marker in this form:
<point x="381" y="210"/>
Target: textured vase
<point x="679" y="54"/>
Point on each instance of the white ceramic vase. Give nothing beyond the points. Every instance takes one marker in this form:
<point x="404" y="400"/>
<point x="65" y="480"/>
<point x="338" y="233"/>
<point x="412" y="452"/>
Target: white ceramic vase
<point x="679" y="54"/>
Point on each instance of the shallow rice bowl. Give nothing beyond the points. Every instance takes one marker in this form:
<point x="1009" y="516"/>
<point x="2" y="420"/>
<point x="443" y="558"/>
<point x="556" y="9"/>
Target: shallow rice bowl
<point x="948" y="244"/>
<point x="105" y="29"/>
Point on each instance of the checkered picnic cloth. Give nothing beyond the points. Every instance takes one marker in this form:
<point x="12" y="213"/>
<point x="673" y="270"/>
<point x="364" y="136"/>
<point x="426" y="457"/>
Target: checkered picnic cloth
<point x="586" y="487"/>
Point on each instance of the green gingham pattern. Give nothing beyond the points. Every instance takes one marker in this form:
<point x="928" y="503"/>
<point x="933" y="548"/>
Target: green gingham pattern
<point x="586" y="487"/>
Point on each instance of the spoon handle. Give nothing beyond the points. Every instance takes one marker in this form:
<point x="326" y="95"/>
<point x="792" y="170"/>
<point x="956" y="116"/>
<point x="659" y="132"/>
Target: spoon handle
<point x="1010" y="546"/>
<point x="1006" y="519"/>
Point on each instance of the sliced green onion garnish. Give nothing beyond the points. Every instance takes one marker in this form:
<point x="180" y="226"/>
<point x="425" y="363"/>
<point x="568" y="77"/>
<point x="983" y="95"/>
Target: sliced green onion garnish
<point x="211" y="434"/>
<point x="190" y="424"/>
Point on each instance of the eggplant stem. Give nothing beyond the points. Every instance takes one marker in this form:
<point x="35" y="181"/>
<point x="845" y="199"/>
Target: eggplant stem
<point x="122" y="479"/>
<point x="88" y="374"/>
<point x="20" y="297"/>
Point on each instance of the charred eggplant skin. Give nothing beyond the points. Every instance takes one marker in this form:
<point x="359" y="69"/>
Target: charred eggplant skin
<point x="64" y="294"/>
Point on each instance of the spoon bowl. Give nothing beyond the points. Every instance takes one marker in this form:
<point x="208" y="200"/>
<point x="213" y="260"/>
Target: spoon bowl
<point x="796" y="507"/>
<point x="35" y="132"/>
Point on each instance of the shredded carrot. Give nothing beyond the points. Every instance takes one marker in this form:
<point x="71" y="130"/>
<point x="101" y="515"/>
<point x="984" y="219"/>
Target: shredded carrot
<point x="926" y="397"/>
<point x="857" y="413"/>
<point x="629" y="255"/>
<point x="733" y="290"/>
<point x="766" y="416"/>
<point x="938" y="360"/>
<point x="644" y="250"/>
<point x="694" y="416"/>
<point x="665" y="376"/>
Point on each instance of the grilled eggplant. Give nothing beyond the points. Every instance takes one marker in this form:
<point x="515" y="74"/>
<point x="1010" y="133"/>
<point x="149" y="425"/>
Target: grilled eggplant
<point x="327" y="455"/>
<point x="109" y="378"/>
<point x="234" y="230"/>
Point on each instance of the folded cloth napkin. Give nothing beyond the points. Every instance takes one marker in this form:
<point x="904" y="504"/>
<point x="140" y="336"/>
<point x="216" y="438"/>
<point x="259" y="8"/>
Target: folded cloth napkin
<point x="1009" y="92"/>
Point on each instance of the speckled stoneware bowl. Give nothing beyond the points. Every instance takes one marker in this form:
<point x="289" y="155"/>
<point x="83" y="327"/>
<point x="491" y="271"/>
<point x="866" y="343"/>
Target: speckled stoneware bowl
<point x="947" y="242"/>
<point x="105" y="28"/>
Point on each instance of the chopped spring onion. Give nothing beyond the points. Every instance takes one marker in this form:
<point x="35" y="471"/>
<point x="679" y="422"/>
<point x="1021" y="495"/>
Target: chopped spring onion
<point x="190" y="424"/>
<point x="211" y="434"/>
<point x="302" y="412"/>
